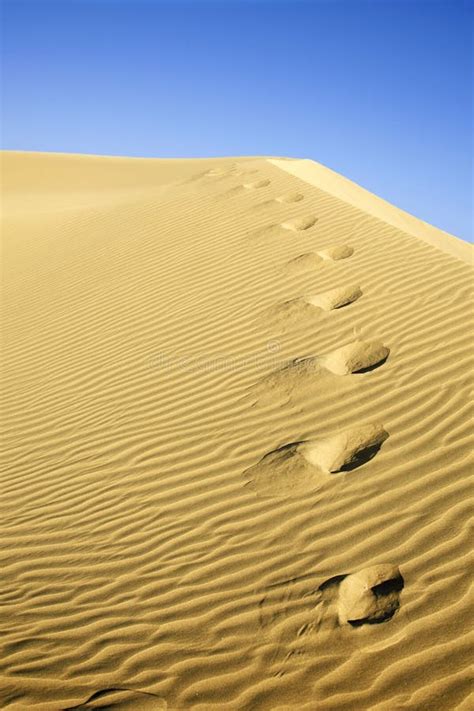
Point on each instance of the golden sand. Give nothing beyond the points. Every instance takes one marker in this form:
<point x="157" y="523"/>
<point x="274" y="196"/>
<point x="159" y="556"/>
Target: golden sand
<point x="237" y="441"/>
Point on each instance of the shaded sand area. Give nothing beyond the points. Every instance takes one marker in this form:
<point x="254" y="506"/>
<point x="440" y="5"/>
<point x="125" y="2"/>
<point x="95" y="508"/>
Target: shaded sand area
<point x="237" y="441"/>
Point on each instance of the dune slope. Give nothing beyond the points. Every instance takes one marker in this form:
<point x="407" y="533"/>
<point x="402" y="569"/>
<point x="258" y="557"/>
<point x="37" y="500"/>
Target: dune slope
<point x="237" y="441"/>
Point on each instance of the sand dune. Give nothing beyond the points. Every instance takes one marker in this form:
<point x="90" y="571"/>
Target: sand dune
<point x="237" y="441"/>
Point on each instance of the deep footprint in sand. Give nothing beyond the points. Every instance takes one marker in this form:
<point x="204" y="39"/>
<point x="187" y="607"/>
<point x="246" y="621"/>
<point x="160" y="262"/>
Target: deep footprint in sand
<point x="345" y="450"/>
<point x="307" y="465"/>
<point x="299" y="224"/>
<point x="356" y="357"/>
<point x="292" y="610"/>
<point x="369" y="596"/>
<point x="300" y="374"/>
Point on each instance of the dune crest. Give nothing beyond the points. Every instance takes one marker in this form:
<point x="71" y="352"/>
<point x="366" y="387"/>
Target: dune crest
<point x="353" y="194"/>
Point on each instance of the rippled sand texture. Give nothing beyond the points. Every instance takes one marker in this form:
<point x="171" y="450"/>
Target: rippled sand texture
<point x="230" y="385"/>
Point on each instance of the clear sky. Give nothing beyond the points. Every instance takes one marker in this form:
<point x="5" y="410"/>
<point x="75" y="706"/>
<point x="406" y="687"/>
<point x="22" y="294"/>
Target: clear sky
<point x="378" y="90"/>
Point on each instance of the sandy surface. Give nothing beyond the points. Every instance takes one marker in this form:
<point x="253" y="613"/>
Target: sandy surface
<point x="236" y="406"/>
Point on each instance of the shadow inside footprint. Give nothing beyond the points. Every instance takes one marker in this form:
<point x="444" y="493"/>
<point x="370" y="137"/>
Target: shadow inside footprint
<point x="360" y="458"/>
<point x="388" y="586"/>
<point x="332" y="583"/>
<point x="369" y="368"/>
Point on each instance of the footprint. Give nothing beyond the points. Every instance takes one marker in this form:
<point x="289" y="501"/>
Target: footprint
<point x="292" y="611"/>
<point x="312" y="260"/>
<point x="257" y="184"/>
<point x="295" y="313"/>
<point x="346" y="450"/>
<point x="283" y="472"/>
<point x="290" y="197"/>
<point x="305" y="466"/>
<point x="342" y="251"/>
<point x="299" y="224"/>
<point x="356" y="357"/>
<point x="304" y="263"/>
<point x="335" y="298"/>
<point x="301" y="374"/>
<point x="239" y="189"/>
<point x="370" y="596"/>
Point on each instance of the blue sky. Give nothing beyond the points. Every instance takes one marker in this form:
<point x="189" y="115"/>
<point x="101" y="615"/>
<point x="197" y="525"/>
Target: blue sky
<point x="378" y="90"/>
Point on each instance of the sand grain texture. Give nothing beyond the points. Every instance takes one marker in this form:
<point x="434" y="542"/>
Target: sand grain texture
<point x="142" y="568"/>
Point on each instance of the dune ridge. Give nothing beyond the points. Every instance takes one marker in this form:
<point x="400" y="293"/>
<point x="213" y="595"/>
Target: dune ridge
<point x="143" y="381"/>
<point x="348" y="191"/>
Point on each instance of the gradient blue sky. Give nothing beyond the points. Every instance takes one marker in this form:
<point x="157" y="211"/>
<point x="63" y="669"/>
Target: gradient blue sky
<point x="380" y="91"/>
